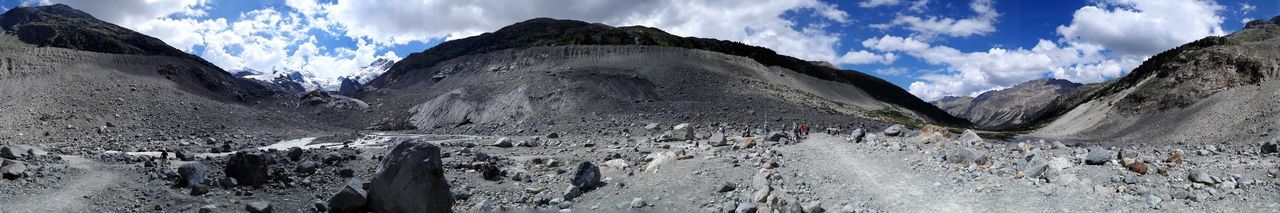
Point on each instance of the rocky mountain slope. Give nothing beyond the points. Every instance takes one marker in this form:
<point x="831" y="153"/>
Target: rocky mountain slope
<point x="1213" y="89"/>
<point x="560" y="70"/>
<point x="1008" y="107"/>
<point x="72" y="81"/>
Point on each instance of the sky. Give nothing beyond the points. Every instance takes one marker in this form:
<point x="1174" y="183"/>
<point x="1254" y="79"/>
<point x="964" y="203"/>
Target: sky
<point x="933" y="48"/>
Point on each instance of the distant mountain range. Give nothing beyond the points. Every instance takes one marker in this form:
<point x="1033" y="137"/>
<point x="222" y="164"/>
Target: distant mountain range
<point x="296" y="82"/>
<point x="1007" y="107"/>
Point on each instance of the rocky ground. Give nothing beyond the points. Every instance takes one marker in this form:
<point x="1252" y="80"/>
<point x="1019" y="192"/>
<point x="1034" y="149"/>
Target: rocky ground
<point x="889" y="170"/>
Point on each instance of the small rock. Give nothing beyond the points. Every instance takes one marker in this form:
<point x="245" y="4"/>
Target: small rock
<point x="637" y="203"/>
<point x="352" y="198"/>
<point x="1175" y="157"/>
<point x="1138" y="167"/>
<point x="208" y="208"/>
<point x="1200" y="177"/>
<point x="572" y="192"/>
<point x="258" y="207"/>
<point x="306" y="168"/>
<point x="813" y="207"/>
<point x="553" y="135"/>
<point x="199" y="189"/>
<point x="746" y="207"/>
<point x="1098" y="156"/>
<point x="1153" y="200"/>
<point x="727" y="187"/>
<point x="761" y="195"/>
<point x="503" y="142"/>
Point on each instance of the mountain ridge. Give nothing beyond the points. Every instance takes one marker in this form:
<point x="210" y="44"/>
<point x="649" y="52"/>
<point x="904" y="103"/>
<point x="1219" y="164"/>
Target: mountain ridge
<point x="552" y="32"/>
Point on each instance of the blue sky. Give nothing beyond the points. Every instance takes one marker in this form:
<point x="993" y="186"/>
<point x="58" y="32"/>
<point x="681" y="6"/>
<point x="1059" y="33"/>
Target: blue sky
<point x="933" y="48"/>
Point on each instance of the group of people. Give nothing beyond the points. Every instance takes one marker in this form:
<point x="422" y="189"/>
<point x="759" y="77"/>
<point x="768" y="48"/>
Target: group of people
<point x="799" y="130"/>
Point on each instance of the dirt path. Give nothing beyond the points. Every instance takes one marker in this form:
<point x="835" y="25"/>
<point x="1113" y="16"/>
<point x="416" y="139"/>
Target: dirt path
<point x="888" y="181"/>
<point x="70" y="197"/>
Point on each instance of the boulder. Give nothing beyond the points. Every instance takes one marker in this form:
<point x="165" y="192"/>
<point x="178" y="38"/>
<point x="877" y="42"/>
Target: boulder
<point x="190" y="174"/>
<point x="352" y="198"/>
<point x="295" y="154"/>
<point x="966" y="156"/>
<point x="503" y="142"/>
<point x="894" y="130"/>
<point x="11" y="169"/>
<point x="571" y="193"/>
<point x="258" y="207"/>
<point x="718" y="139"/>
<point x="249" y="167"/>
<point x="410" y="178"/>
<point x="185" y="155"/>
<point x="638" y="203"/>
<point x="586" y="176"/>
<point x="813" y="207"/>
<point x="776" y="137"/>
<point x="1175" y="157"/>
<point x="857" y="135"/>
<point x="16" y="152"/>
<point x="1036" y="168"/>
<point x="970" y="138"/>
<point x="1098" y="156"/>
<point x="1199" y="177"/>
<point x="681" y="132"/>
<point x="306" y="168"/>
<point x="746" y="207"/>
<point x="1138" y="167"/>
<point x="659" y="159"/>
<point x="1271" y="146"/>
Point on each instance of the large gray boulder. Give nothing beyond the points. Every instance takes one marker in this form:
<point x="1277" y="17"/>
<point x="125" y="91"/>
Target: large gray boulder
<point x="970" y="138"/>
<point x="352" y="198"/>
<point x="1098" y="156"/>
<point x="894" y="130"/>
<point x="11" y="169"/>
<point x="190" y="174"/>
<point x="249" y="167"/>
<point x="410" y="179"/>
<point x="681" y="132"/>
<point x="966" y="156"/>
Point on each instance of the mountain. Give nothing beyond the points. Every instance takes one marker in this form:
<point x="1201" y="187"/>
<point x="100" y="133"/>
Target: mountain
<point x="1007" y="107"/>
<point x="558" y="60"/>
<point x="1213" y="89"/>
<point x="70" y="80"/>
<point x="294" y="82"/>
<point x="65" y="27"/>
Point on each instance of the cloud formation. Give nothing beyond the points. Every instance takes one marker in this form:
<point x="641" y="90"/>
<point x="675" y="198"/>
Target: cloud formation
<point x="981" y="23"/>
<point x="1142" y="28"/>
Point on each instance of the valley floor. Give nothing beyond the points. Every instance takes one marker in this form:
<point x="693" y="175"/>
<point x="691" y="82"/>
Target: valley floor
<point x="830" y="172"/>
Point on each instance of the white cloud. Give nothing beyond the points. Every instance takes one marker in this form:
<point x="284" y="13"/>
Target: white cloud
<point x="970" y="73"/>
<point x="756" y="23"/>
<point x="1143" y="28"/>
<point x="877" y="3"/>
<point x="919" y="6"/>
<point x="1245" y="8"/>
<point x="864" y="57"/>
<point x="891" y="71"/>
<point x="981" y="23"/>
<point x="132" y="13"/>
